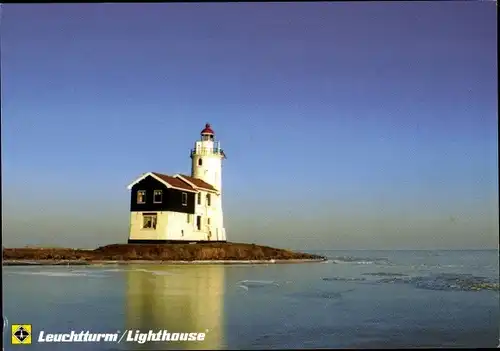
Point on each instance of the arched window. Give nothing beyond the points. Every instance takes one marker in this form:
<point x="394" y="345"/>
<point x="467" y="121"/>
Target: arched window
<point x="200" y="162"/>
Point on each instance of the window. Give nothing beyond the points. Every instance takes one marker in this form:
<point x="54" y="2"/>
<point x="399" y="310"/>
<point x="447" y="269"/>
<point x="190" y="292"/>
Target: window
<point x="199" y="198"/>
<point x="182" y="232"/>
<point x="198" y="222"/>
<point x="149" y="221"/>
<point x="208" y="221"/>
<point x="200" y="162"/>
<point x="208" y="200"/>
<point x="189" y="218"/>
<point x="157" y="196"/>
<point x="184" y="199"/>
<point x="141" y="196"/>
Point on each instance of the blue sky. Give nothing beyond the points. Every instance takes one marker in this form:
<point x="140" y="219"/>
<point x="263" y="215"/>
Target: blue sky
<point x="346" y="125"/>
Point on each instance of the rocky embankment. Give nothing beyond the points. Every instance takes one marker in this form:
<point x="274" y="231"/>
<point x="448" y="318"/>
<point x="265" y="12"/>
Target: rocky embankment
<point x="155" y="252"/>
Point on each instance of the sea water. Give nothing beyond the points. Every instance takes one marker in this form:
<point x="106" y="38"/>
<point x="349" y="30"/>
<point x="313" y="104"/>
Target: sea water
<point x="356" y="299"/>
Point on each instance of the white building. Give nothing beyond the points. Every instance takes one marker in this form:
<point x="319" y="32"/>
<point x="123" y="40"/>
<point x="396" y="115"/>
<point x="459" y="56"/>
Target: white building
<point x="181" y="208"/>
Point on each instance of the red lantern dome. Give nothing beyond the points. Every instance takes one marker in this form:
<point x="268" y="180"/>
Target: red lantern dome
<point x="208" y="130"/>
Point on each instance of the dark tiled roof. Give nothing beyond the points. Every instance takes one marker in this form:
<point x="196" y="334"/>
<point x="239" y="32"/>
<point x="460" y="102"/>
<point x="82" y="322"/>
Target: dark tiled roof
<point x="175" y="182"/>
<point x="198" y="182"/>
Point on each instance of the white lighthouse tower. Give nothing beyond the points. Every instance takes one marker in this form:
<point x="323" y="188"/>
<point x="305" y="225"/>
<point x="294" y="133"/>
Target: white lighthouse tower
<point x="207" y="158"/>
<point x="206" y="165"/>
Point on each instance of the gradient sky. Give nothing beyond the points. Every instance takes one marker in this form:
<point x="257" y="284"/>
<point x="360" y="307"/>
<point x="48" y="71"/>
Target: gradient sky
<point x="365" y="125"/>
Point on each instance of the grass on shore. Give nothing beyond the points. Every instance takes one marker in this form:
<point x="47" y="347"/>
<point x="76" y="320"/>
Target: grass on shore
<point x="159" y="252"/>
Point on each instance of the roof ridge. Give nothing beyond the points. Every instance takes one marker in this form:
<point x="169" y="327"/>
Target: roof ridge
<point x="168" y="179"/>
<point x="197" y="182"/>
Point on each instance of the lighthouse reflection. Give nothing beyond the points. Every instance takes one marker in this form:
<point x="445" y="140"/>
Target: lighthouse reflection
<point x="180" y="299"/>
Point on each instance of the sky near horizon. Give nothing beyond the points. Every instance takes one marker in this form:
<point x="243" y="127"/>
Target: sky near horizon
<point x="364" y="125"/>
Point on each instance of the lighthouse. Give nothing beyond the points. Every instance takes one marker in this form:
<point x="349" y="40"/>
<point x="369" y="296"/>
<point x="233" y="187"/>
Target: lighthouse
<point x="206" y="164"/>
<point x="181" y="208"/>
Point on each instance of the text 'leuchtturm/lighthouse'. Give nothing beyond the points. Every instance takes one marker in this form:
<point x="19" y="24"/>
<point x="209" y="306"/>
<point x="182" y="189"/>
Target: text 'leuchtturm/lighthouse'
<point x="181" y="208"/>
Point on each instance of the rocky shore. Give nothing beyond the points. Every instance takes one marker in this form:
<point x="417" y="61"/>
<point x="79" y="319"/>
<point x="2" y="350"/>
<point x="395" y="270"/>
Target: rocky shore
<point x="224" y="253"/>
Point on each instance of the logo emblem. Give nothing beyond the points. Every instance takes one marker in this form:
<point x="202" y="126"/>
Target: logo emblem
<point x="21" y="334"/>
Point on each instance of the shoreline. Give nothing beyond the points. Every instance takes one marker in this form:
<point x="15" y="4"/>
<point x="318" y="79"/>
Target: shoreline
<point x="200" y="253"/>
<point x="37" y="263"/>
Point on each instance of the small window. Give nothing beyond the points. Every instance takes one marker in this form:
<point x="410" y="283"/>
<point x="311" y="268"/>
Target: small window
<point x="157" y="196"/>
<point x="199" y="198"/>
<point x="200" y="162"/>
<point x="189" y="218"/>
<point x="198" y="222"/>
<point x="208" y="221"/>
<point x="141" y="196"/>
<point x="208" y="200"/>
<point x="182" y="232"/>
<point x="184" y="199"/>
<point x="149" y="221"/>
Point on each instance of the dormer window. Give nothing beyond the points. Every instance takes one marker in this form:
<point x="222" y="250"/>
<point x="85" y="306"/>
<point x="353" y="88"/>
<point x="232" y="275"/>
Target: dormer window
<point x="141" y="196"/>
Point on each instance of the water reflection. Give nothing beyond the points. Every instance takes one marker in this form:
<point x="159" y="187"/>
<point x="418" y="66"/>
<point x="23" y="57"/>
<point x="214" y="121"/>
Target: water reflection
<point x="178" y="299"/>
